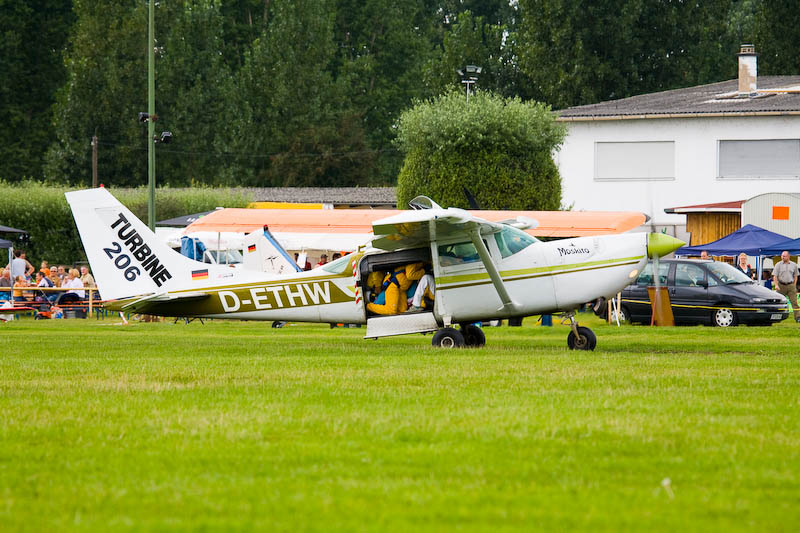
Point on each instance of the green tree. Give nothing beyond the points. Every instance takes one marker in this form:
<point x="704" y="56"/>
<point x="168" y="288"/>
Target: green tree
<point x="106" y="87"/>
<point x="295" y="125"/>
<point x="778" y="37"/>
<point x="578" y="52"/>
<point x="498" y="148"/>
<point x="34" y="34"/>
<point x="382" y="49"/>
<point x="196" y="97"/>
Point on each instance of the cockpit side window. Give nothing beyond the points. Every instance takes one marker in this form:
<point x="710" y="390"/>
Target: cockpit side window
<point x="511" y="240"/>
<point x="457" y="253"/>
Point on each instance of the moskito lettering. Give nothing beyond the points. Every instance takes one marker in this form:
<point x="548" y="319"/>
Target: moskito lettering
<point x="140" y="251"/>
<point x="570" y="251"/>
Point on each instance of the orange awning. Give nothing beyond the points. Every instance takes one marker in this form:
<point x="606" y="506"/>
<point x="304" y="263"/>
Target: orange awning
<point x="551" y="223"/>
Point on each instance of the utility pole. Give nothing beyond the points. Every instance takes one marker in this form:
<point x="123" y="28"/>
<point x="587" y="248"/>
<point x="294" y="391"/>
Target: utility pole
<point x="94" y="160"/>
<point x="151" y="110"/>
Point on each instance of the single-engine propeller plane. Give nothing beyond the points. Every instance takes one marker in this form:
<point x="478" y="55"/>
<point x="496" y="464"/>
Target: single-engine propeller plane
<point x="482" y="271"/>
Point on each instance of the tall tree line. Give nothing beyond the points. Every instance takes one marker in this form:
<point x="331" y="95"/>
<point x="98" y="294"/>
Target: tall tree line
<point x="308" y="92"/>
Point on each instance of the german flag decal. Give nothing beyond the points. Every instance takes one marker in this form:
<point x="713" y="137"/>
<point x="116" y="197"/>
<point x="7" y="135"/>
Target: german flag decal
<point x="199" y="274"/>
<point x="251" y="248"/>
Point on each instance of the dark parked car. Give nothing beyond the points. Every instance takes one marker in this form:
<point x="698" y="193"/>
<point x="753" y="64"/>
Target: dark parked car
<point x="704" y="292"/>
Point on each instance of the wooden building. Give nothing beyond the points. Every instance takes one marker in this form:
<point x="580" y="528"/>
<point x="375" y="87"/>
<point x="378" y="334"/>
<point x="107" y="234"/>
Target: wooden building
<point x="709" y="222"/>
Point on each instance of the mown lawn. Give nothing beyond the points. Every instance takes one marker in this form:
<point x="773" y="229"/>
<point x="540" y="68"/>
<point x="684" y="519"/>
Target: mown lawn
<point x="238" y="426"/>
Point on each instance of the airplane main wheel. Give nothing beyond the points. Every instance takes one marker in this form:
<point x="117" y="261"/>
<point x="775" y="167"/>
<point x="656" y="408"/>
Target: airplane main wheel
<point x="448" y="338"/>
<point x="473" y="335"/>
<point x="585" y="340"/>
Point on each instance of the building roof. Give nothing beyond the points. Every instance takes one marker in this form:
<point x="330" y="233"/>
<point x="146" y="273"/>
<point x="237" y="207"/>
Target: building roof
<point x="353" y="196"/>
<point x="777" y="95"/>
<point x="719" y="207"/>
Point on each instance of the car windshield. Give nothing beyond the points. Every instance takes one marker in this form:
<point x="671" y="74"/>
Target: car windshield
<point x="727" y="274"/>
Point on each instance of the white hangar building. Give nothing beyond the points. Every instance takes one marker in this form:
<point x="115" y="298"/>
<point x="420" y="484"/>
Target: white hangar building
<point x="712" y="143"/>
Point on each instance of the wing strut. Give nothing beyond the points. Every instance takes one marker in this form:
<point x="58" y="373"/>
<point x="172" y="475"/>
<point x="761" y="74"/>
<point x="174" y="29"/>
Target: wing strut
<point x="497" y="281"/>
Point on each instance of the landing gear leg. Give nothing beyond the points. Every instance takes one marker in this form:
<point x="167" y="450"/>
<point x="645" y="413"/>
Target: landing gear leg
<point x="580" y="338"/>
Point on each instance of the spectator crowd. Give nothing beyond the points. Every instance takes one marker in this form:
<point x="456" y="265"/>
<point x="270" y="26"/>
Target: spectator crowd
<point x="21" y="283"/>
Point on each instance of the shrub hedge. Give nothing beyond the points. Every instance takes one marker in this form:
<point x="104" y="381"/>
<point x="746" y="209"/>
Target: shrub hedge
<point x="500" y="149"/>
<point x="43" y="212"/>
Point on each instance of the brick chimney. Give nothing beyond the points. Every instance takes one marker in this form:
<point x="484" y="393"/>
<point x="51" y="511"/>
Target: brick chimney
<point x="748" y="70"/>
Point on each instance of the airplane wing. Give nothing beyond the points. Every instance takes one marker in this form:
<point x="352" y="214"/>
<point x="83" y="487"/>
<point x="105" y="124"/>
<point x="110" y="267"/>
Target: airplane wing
<point x="419" y="228"/>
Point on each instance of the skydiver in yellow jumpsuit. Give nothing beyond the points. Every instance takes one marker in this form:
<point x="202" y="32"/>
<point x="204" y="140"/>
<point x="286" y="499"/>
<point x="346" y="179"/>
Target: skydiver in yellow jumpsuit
<point x="395" y="285"/>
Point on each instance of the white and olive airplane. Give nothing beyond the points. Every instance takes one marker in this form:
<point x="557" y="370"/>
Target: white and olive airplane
<point x="483" y="271"/>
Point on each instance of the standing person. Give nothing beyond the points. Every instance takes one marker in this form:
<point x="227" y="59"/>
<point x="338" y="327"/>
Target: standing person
<point x="62" y="275"/>
<point x="743" y="267"/>
<point x="323" y="260"/>
<point x="19" y="265"/>
<point x="704" y="255"/>
<point x="29" y="268"/>
<point x="784" y="277"/>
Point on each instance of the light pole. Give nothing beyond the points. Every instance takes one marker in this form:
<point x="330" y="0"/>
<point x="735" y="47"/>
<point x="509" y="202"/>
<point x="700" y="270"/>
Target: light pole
<point x="469" y="76"/>
<point x="151" y="111"/>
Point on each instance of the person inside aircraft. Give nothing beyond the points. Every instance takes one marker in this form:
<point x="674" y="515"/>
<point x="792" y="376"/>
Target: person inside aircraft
<point x="395" y="284"/>
<point x="374" y="286"/>
<point x="423" y="294"/>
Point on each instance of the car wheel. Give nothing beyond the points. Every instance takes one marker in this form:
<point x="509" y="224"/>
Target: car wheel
<point x="585" y="340"/>
<point x="473" y="335"/>
<point x="724" y="318"/>
<point x="624" y="315"/>
<point x="448" y="338"/>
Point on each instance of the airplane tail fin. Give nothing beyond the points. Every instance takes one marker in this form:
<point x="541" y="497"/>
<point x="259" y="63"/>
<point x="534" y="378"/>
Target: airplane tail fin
<point x="126" y="258"/>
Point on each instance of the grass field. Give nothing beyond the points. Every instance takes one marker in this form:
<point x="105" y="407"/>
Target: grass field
<point x="237" y="426"/>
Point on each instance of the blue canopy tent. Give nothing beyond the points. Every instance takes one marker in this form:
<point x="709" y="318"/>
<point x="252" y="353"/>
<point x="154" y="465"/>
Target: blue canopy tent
<point x="749" y="239"/>
<point x="792" y="246"/>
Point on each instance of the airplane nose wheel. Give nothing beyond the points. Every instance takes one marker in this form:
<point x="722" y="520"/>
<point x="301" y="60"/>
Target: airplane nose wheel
<point x="580" y="338"/>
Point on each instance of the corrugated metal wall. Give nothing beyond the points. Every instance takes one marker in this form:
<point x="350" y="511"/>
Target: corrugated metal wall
<point x="778" y="212"/>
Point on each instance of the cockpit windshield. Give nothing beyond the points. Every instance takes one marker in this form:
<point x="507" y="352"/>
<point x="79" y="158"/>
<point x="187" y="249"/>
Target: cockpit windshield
<point x="512" y="240"/>
<point x="338" y="266"/>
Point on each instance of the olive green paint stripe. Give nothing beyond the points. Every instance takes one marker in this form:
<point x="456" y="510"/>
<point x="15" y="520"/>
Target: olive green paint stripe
<point x="544" y="274"/>
<point x="263" y="283"/>
<point x="537" y="270"/>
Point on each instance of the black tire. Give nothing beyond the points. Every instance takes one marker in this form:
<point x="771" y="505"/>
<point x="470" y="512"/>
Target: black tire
<point x="724" y="318"/>
<point x="586" y="339"/>
<point x="600" y="308"/>
<point x="515" y="321"/>
<point x="448" y="338"/>
<point x="473" y="335"/>
<point x="278" y="324"/>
